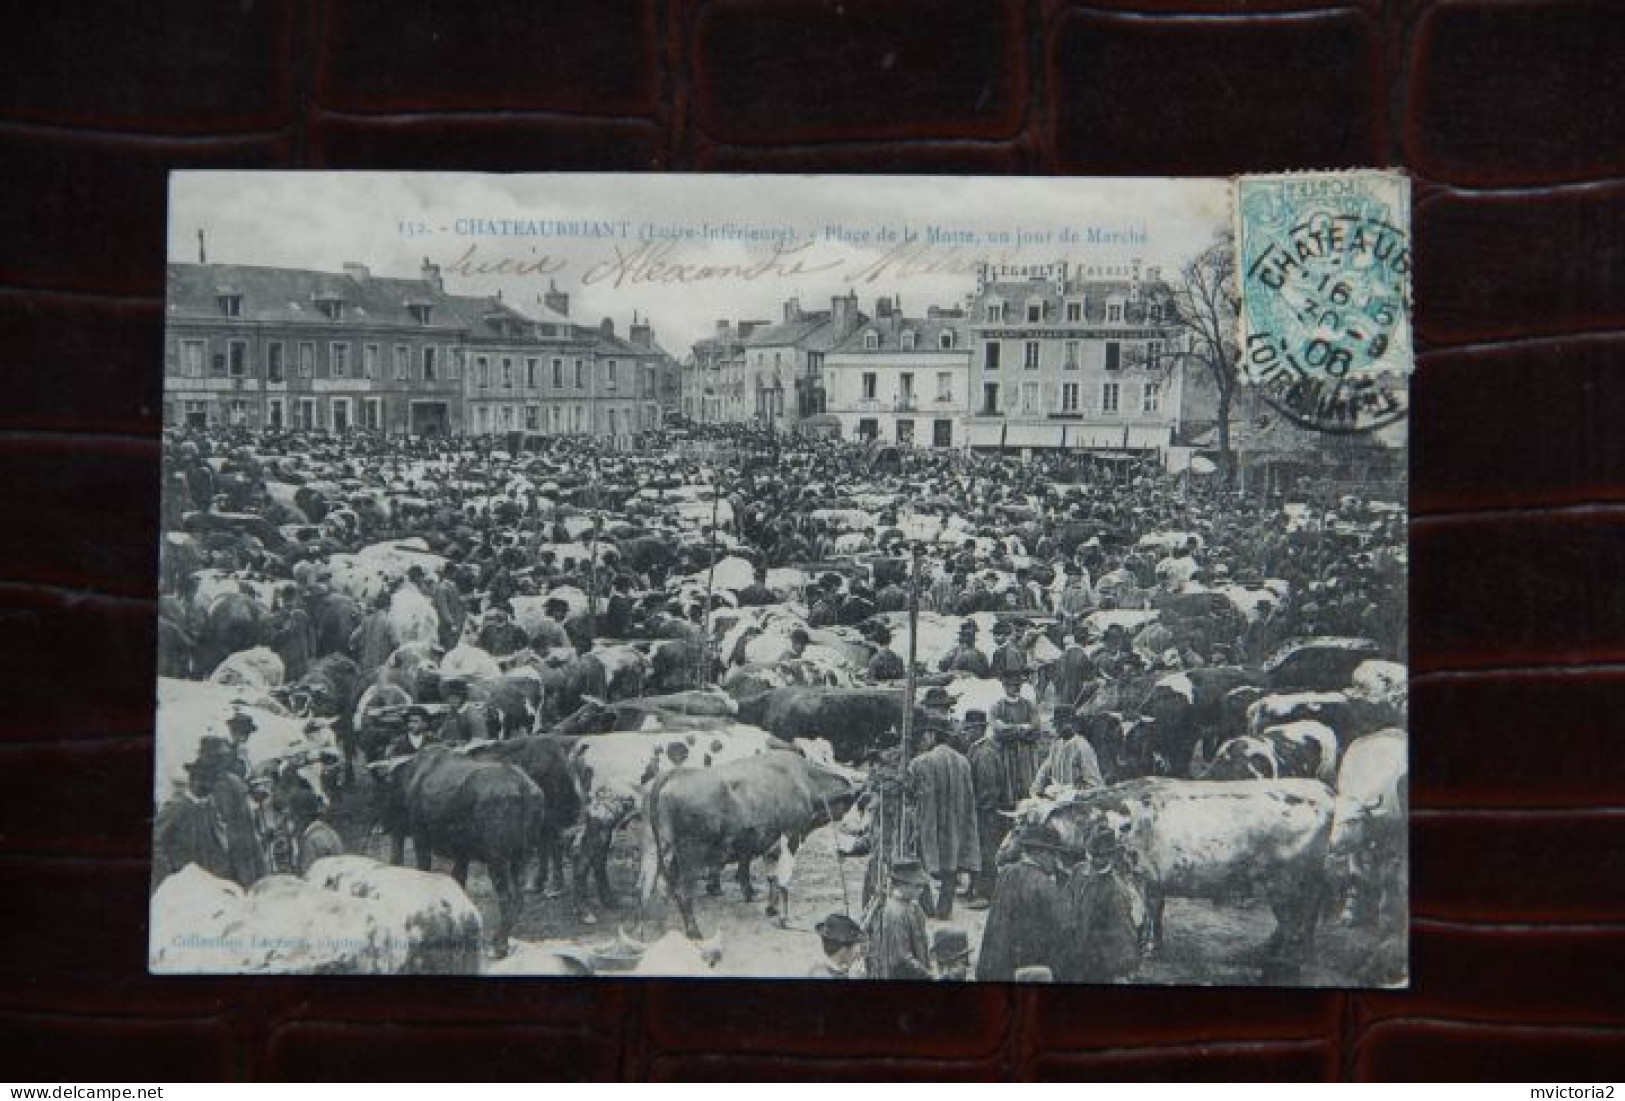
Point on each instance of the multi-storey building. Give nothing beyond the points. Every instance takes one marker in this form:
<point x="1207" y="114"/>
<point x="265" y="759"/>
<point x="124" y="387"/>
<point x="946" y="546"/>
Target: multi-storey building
<point x="1073" y="357"/>
<point x="784" y="361"/>
<point x="714" y="390"/>
<point x="278" y="347"/>
<point x="901" y="379"/>
<point x="527" y="372"/>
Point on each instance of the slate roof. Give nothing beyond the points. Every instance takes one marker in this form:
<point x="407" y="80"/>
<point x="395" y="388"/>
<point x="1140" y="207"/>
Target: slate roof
<point x="290" y="296"/>
<point x="927" y="333"/>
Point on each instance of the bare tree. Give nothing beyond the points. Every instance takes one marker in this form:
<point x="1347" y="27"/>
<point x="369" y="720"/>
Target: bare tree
<point x="1205" y="302"/>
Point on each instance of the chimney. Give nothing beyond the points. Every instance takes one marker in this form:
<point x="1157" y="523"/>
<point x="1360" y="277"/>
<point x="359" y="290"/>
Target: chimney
<point x="556" y="300"/>
<point x="202" y="250"/>
<point x="607" y="326"/>
<point x="792" y="310"/>
<point x="356" y="271"/>
<point x="843" y="312"/>
<point x="641" y="334"/>
<point x="882" y="307"/>
<point x="431" y="275"/>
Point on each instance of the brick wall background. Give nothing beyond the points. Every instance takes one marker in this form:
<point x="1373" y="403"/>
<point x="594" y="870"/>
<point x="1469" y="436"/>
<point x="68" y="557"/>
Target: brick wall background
<point x="1512" y="116"/>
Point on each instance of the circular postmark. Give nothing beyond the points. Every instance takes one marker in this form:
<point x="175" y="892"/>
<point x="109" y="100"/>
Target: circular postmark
<point x="1325" y="298"/>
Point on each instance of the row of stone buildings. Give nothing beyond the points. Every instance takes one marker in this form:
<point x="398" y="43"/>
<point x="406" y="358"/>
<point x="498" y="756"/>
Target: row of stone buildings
<point x="276" y="348"/>
<point x="1043" y="356"/>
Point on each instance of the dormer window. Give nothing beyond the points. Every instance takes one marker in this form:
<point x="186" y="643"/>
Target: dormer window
<point x="331" y="308"/>
<point x="1035" y="312"/>
<point x="946" y="340"/>
<point x="231" y="305"/>
<point x="1114" y="311"/>
<point x="908" y="339"/>
<point x="1074" y="312"/>
<point x="419" y="312"/>
<point x="871" y="340"/>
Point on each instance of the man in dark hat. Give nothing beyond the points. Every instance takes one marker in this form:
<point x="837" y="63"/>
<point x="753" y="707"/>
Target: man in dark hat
<point x="1098" y="911"/>
<point x="965" y="658"/>
<point x="549" y="633"/>
<point x="465" y="720"/>
<point x="414" y="735"/>
<point x="944" y="813"/>
<point x="1008" y="656"/>
<point x="187" y="830"/>
<point x="217" y="765"/>
<point x="950" y="951"/>
<point x="241" y="726"/>
<point x="898" y="946"/>
<point x="1025" y="926"/>
<point x="843" y="942"/>
<point x="619" y="608"/>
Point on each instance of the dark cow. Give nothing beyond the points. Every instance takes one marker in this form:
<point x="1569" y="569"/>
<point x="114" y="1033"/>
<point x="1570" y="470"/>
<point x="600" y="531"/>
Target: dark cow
<point x="565" y="687"/>
<point x="233" y="622"/>
<point x="466" y="810"/>
<point x="677" y="664"/>
<point x="1122" y="745"/>
<point x="545" y="760"/>
<point x="643" y="551"/>
<point x="329" y="690"/>
<point x="1188" y="709"/>
<point x="701" y="819"/>
<point x="857" y="722"/>
<point x="334" y="618"/>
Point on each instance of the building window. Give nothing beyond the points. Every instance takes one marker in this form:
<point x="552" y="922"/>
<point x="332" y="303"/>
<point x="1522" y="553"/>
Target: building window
<point x="995" y="311"/>
<point x="533" y="418"/>
<point x="231" y="305"/>
<point x="369" y="361"/>
<point x="456" y="365"/>
<point x="217" y="365"/>
<point x="945" y="386"/>
<point x="340" y="360"/>
<point x="485" y="419"/>
<point x="1071" y="363"/>
<point x="533" y="372"/>
<point x="1151" y="399"/>
<point x="482" y="372"/>
<point x="507" y="373"/>
<point x="1153" y="353"/>
<point x="306" y="414"/>
<point x="332" y="308"/>
<point x="871" y="340"/>
<point x="558" y="376"/>
<point x="1074" y="311"/>
<point x="1108" y="396"/>
<point x="307" y="361"/>
<point x="1069" y="397"/>
<point x="868" y="428"/>
<point x="197" y="414"/>
<point x="942" y="433"/>
<point x="869" y="381"/>
<point x="945" y="339"/>
<point x="372" y="414"/>
<point x="507" y="416"/>
<point x="1035" y="312"/>
<point x="581" y="382"/>
<point x="431" y="368"/>
<point x="1030" y="355"/>
<point x="611" y="379"/>
<point x="403" y="368"/>
<point x="419" y="312"/>
<point x="905" y="433"/>
<point x="273" y="361"/>
<point x="905" y="387"/>
<point x="237" y="413"/>
<point x="274" y="415"/>
<point x="1156" y="312"/>
<point x="192" y="358"/>
<point x="990" y="356"/>
<point x="990" y="398"/>
<point x="1114" y="355"/>
<point x="908" y="340"/>
<point x="1114" y="312"/>
<point x="1031" y="393"/>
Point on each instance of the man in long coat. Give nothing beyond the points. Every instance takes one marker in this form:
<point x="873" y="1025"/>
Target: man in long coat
<point x="1100" y="907"/>
<point x="945" y="811"/>
<point x="898" y="945"/>
<point x="374" y="640"/>
<point x="1025" y="927"/>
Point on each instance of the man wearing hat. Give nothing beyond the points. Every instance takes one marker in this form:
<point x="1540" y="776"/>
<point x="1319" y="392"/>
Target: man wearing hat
<point x="1003" y="765"/>
<point x="950" y="951"/>
<point x="1025" y="926"/>
<point x="465" y="720"/>
<point x="187" y="830"/>
<point x="898" y="946"/>
<point x="965" y="658"/>
<point x="415" y="733"/>
<point x="1008" y="656"/>
<point x="1071" y="764"/>
<point x="549" y="633"/>
<point x="843" y="942"/>
<point x="944" y="813"/>
<point x="1099" y="905"/>
<point x="374" y="640"/>
<point x="217" y="768"/>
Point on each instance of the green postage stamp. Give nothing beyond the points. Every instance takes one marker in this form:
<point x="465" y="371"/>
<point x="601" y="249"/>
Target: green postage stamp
<point x="1324" y="320"/>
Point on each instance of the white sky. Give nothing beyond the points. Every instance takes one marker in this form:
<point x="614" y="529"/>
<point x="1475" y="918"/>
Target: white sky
<point x="322" y="219"/>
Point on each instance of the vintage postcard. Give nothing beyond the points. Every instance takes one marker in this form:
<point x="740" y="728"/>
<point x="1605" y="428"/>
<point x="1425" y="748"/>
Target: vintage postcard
<point x="887" y="578"/>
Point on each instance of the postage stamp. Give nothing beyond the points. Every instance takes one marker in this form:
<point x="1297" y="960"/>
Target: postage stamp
<point x="1324" y="261"/>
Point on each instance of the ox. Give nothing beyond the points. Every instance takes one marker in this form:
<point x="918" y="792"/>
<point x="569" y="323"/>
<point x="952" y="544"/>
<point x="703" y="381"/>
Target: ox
<point x="1368" y="834"/>
<point x="700" y="819"/>
<point x="1194" y="839"/>
<point x="1303" y="749"/>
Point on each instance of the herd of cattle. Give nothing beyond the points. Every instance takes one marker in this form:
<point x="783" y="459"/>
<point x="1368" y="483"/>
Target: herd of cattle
<point x="717" y="742"/>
